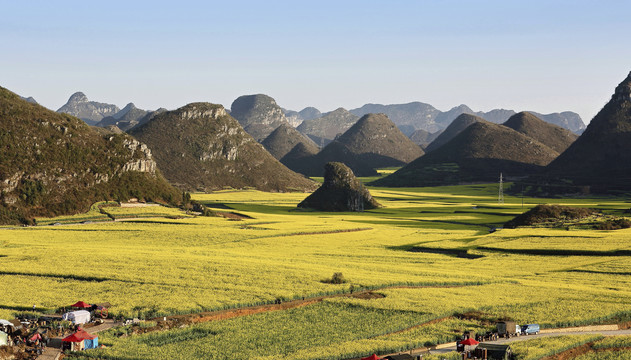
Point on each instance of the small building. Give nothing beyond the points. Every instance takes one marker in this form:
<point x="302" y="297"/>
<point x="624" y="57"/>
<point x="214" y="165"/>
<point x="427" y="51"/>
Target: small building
<point x="81" y="340"/>
<point x="495" y="351"/>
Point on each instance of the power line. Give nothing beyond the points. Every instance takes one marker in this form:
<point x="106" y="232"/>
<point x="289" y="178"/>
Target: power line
<point x="500" y="197"/>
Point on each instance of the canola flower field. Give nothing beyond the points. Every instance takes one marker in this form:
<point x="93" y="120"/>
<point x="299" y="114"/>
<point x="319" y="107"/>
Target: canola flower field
<point x="430" y="254"/>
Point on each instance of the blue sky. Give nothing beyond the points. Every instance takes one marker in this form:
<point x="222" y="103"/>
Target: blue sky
<point x="545" y="56"/>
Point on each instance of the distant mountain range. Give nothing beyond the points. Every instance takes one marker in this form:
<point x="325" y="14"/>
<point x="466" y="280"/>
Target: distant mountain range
<point x="91" y="112"/>
<point x="421" y="116"/>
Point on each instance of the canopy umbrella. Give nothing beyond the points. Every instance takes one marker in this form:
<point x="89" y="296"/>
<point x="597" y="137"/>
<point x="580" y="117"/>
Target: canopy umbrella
<point x="469" y="341"/>
<point x="372" y="357"/>
<point x="81" y="304"/>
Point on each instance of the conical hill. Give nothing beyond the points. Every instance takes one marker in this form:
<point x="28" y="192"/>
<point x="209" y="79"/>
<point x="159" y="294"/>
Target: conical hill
<point x="378" y="140"/>
<point x="478" y="154"/>
<point x="282" y="140"/>
<point x="456" y="127"/>
<point x="546" y="133"/>
<point x="601" y="156"/>
<point x="201" y="147"/>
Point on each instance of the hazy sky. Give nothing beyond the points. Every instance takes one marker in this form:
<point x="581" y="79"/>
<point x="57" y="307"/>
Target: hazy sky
<point x="545" y="56"/>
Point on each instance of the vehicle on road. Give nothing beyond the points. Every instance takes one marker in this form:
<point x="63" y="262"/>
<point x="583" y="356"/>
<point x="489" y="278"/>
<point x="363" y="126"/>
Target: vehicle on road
<point x="530" y="329"/>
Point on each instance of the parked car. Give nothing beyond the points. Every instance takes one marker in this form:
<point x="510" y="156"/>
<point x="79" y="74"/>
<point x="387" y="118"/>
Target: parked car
<point x="530" y="329"/>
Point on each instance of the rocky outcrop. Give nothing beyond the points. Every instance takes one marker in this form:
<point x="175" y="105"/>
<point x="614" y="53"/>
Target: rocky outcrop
<point x="200" y="147"/>
<point x="91" y="112"/>
<point x="258" y="114"/>
<point x="341" y="191"/>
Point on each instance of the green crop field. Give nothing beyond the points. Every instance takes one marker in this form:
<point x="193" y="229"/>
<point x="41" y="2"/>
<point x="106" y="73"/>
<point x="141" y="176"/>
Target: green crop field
<point x="430" y="257"/>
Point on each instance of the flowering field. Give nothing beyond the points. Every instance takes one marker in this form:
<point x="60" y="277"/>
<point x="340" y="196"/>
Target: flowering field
<point x="427" y="255"/>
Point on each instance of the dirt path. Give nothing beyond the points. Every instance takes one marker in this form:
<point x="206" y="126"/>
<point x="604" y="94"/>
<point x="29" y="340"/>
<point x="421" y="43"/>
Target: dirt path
<point x="244" y="311"/>
<point x="53" y="351"/>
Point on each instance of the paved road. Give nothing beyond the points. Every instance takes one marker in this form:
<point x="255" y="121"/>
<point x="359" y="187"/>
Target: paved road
<point x="529" y="337"/>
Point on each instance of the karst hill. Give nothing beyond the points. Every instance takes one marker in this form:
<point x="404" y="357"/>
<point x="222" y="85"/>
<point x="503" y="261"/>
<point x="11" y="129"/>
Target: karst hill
<point x="456" y="127"/>
<point x="601" y="156"/>
<point x="54" y="164"/>
<point x="478" y="154"/>
<point x="372" y="142"/>
<point x="258" y="114"/>
<point x="341" y="191"/>
<point x="551" y="135"/>
<point x="282" y="140"/>
<point x="200" y="147"/>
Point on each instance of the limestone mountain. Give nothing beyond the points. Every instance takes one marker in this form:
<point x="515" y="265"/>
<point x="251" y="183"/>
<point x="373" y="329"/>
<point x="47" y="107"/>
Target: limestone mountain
<point x="258" y="114"/>
<point x="546" y="133"/>
<point x="125" y="119"/>
<point x="601" y="156"/>
<point x="423" y="138"/>
<point x="284" y="139"/>
<point x="566" y="119"/>
<point x="91" y="112"/>
<point x="456" y="127"/>
<point x="54" y="164"/>
<point x="335" y="151"/>
<point x="29" y="99"/>
<point x="378" y="141"/>
<point x="309" y="113"/>
<point x="479" y="153"/>
<point x="324" y="129"/>
<point x="341" y="191"/>
<point x="200" y="147"/>
<point x="372" y="142"/>
<point x="301" y="154"/>
<point x="417" y="115"/>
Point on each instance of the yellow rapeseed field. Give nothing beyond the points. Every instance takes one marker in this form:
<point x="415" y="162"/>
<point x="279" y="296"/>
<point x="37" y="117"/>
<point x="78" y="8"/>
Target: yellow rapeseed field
<point x="429" y="254"/>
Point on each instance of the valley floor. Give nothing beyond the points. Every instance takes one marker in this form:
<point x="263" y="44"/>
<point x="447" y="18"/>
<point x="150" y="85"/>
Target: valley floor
<point x="429" y="257"/>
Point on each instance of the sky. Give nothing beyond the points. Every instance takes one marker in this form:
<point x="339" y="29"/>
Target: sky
<point x="546" y="56"/>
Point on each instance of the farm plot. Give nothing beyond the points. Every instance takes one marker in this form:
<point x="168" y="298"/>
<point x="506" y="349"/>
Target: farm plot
<point x="177" y="264"/>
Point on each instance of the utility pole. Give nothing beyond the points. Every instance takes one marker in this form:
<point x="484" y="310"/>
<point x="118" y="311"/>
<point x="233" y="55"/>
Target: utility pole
<point x="500" y="197"/>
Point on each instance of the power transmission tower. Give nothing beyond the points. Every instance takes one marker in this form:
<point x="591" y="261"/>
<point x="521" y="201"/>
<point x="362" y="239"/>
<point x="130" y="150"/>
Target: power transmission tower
<point x="500" y="197"/>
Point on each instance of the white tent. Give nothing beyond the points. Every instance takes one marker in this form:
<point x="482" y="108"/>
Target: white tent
<point x="77" y="317"/>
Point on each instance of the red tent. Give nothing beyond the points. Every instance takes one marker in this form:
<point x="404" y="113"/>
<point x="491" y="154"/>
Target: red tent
<point x="372" y="357"/>
<point x="72" y="338"/>
<point x="81" y="304"/>
<point x="469" y="341"/>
